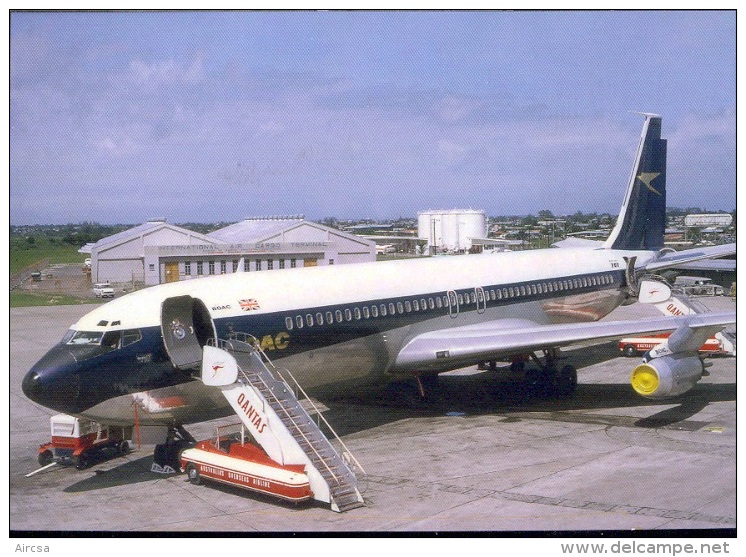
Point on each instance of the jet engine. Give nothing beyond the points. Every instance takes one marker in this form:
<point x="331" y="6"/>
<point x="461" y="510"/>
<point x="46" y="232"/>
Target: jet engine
<point x="667" y="376"/>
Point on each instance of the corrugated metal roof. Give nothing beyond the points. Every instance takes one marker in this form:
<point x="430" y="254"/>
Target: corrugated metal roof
<point x="130" y="232"/>
<point x="254" y="230"/>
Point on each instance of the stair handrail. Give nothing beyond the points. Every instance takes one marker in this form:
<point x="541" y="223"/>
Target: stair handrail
<point x="320" y="415"/>
<point x="306" y="439"/>
<point x="255" y="344"/>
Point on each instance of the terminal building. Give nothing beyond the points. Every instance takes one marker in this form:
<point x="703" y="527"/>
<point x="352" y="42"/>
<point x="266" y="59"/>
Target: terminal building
<point x="157" y="252"/>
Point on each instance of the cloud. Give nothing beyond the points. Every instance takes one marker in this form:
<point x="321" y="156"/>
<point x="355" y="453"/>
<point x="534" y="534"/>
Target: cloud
<point x="166" y="72"/>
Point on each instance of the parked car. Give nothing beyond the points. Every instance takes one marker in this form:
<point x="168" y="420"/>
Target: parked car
<point x="103" y="290"/>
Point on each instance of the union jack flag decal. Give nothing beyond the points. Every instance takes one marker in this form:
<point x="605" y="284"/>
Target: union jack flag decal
<point x="249" y="304"/>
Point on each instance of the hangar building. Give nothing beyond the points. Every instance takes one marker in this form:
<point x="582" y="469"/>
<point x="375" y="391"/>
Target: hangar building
<point x="158" y="252"/>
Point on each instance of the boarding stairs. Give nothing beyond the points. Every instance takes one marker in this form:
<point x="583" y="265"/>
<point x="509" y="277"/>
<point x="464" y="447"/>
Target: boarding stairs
<point x="261" y="396"/>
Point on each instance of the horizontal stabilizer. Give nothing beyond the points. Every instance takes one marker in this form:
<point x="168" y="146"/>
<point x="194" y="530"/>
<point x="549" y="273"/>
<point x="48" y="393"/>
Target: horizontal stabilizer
<point x="677" y="258"/>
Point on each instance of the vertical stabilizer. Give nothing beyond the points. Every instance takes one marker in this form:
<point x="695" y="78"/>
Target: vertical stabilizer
<point x="642" y="219"/>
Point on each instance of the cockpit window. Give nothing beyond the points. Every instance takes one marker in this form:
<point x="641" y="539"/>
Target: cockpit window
<point x="85" y="337"/>
<point x="130" y="336"/>
<point x="110" y="339"/>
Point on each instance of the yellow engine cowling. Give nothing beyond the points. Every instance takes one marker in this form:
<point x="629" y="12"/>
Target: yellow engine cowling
<point x="667" y="376"/>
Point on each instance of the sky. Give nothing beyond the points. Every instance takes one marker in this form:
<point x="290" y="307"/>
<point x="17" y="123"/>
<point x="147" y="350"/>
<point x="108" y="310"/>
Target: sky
<point x="119" y="117"/>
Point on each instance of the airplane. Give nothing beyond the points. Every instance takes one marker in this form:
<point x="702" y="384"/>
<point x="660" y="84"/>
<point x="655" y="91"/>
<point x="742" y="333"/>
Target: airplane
<point x="351" y="326"/>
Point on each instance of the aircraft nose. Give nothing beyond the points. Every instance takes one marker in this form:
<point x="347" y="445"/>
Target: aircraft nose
<point x="32" y="386"/>
<point x="53" y="382"/>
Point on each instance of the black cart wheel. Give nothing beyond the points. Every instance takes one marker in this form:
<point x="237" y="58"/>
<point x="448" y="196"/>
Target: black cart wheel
<point x="82" y="461"/>
<point x="46" y="457"/>
<point x="124" y="447"/>
<point x="630" y="351"/>
<point x="193" y="474"/>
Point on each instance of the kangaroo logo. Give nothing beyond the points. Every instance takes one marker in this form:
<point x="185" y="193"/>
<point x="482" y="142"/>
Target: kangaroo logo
<point x="646" y="178"/>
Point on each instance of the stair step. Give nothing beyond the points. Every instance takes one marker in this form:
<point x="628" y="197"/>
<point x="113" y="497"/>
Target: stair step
<point x="296" y="418"/>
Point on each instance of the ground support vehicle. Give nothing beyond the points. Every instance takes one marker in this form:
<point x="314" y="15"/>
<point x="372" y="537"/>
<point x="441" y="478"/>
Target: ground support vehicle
<point x="236" y="461"/>
<point x="716" y="345"/>
<point x="81" y="442"/>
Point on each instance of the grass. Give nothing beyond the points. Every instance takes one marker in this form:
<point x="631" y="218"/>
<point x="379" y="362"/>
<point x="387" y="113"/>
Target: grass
<point x="25" y="299"/>
<point x="23" y="253"/>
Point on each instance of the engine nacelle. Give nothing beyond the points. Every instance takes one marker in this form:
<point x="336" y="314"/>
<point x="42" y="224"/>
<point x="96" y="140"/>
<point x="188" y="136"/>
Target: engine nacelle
<point x="667" y="376"/>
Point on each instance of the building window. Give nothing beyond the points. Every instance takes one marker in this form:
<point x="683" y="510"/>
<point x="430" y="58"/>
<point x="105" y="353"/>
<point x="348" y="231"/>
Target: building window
<point x="331" y="262"/>
<point x="223" y="267"/>
<point x="270" y="264"/>
<point x="152" y="267"/>
<point x="246" y="265"/>
<point x="211" y="267"/>
<point x="235" y="265"/>
<point x="187" y="267"/>
<point x="258" y="264"/>
<point x="292" y="263"/>
<point x="282" y="263"/>
<point x="200" y="270"/>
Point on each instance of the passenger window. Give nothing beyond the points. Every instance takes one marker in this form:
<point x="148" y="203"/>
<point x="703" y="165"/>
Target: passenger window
<point x="357" y="314"/>
<point x="309" y="319"/>
<point x="383" y="310"/>
<point x="299" y="321"/>
<point x="392" y="308"/>
<point x="329" y="318"/>
<point x="408" y="306"/>
<point x="431" y="303"/>
<point x="319" y="318"/>
<point x="366" y="312"/>
<point x="289" y="323"/>
<point x="423" y="304"/>
<point x="348" y="315"/>
<point x="439" y="302"/>
<point x="338" y="315"/>
<point x="399" y="307"/>
<point x="416" y="305"/>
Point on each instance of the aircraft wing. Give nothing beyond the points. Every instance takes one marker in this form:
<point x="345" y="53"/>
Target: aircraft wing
<point x="677" y="258"/>
<point x="448" y="349"/>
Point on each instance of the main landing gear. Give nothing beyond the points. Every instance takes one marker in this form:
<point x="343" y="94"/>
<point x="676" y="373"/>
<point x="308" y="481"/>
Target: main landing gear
<point x="166" y="455"/>
<point x="548" y="379"/>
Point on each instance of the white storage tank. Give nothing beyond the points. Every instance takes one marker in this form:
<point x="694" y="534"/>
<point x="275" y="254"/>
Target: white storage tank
<point x="451" y="230"/>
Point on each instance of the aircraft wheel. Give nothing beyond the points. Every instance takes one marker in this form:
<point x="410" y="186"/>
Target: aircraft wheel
<point x="566" y="381"/>
<point x="630" y="351"/>
<point x="46" y="457"/>
<point x="193" y="474"/>
<point x="541" y="382"/>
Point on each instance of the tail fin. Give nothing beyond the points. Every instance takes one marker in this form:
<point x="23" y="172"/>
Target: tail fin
<point x="642" y="219"/>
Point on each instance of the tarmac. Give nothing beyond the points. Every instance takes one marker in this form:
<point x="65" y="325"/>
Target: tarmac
<point x="478" y="458"/>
